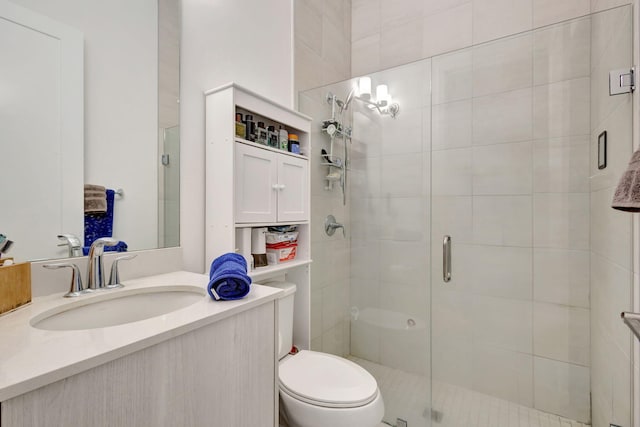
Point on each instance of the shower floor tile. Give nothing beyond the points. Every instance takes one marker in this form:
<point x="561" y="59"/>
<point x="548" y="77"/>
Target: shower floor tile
<point x="406" y="396"/>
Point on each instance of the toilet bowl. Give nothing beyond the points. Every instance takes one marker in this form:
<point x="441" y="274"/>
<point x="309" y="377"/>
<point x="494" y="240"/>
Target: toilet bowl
<point x="319" y="389"/>
<point x="322" y="390"/>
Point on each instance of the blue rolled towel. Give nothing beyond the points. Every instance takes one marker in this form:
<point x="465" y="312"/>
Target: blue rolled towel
<point x="228" y="277"/>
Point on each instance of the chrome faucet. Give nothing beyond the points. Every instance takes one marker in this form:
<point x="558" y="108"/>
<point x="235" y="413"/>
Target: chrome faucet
<point x="95" y="270"/>
<point x="73" y="243"/>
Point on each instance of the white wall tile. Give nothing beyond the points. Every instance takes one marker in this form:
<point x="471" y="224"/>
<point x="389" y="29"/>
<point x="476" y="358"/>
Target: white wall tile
<point x="401" y="175"/>
<point x="396" y="13"/>
<point x="561" y="165"/>
<point x="452" y="77"/>
<point x="452" y="125"/>
<point x="600" y="5"/>
<point x="403" y="218"/>
<point x="451" y="172"/>
<point x="502" y="220"/>
<point x="405" y="263"/>
<point x="502" y="65"/>
<point x="364" y="180"/>
<point x="561" y="276"/>
<point x="447" y="30"/>
<point x="503" y="373"/>
<point x="547" y="12"/>
<point x="503" y="323"/>
<point x="502" y="169"/>
<point x="562" y="52"/>
<point x="365" y="55"/>
<point x="497" y="18"/>
<point x="561" y="220"/>
<point x="401" y="44"/>
<point x="308" y="26"/>
<point x="365" y="19"/>
<point x="504" y="117"/>
<point x="561" y="388"/>
<point x="451" y="215"/>
<point x="561" y="109"/>
<point x="561" y="333"/>
<point x="502" y="271"/>
<point x="409" y="85"/>
<point x="403" y="134"/>
<point x="365" y="256"/>
<point x="610" y="227"/>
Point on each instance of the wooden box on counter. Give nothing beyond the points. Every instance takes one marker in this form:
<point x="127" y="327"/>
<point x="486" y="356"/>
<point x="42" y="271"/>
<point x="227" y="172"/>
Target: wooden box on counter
<point x="15" y="286"/>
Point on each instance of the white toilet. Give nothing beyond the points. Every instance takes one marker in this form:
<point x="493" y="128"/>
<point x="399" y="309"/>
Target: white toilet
<point x="319" y="389"/>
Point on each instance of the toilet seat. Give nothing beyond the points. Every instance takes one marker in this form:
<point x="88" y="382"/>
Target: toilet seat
<point x="326" y="380"/>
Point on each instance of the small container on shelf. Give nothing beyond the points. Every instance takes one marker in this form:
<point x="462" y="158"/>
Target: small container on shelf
<point x="241" y="128"/>
<point x="294" y="144"/>
<point x="250" y="127"/>
<point x="272" y="137"/>
<point x="262" y="136"/>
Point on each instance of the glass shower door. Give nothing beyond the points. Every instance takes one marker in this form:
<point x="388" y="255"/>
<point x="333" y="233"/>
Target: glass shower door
<point x="513" y="171"/>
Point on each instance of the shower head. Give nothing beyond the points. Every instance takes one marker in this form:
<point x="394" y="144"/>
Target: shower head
<point x="344" y="105"/>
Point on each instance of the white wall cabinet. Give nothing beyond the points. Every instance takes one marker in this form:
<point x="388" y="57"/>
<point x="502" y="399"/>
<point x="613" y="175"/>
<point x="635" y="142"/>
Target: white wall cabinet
<point x="270" y="187"/>
<point x="252" y="185"/>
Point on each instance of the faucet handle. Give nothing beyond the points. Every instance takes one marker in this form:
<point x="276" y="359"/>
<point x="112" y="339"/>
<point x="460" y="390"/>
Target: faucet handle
<point x="75" y="288"/>
<point x="72" y="242"/>
<point x="105" y="241"/>
<point x="114" y="278"/>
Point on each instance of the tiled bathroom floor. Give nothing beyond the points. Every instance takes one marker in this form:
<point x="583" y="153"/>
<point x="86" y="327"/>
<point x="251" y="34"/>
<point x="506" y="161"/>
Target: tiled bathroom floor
<point x="405" y="396"/>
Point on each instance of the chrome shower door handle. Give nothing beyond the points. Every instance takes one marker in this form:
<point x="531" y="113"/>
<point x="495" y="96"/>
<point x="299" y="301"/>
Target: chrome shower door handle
<point x="446" y="259"/>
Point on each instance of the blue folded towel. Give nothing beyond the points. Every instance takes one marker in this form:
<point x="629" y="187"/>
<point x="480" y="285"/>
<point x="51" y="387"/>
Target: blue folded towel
<point x="120" y="247"/>
<point x="228" y="277"/>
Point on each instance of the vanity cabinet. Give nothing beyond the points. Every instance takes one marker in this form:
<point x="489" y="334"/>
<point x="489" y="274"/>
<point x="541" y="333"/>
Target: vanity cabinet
<point x="270" y="187"/>
<point x="221" y="374"/>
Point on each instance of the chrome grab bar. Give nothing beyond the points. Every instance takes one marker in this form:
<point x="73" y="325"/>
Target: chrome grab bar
<point x="446" y="259"/>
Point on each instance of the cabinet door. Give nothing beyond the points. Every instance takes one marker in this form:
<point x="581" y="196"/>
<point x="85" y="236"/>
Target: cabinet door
<point x="293" y="194"/>
<point x="255" y="184"/>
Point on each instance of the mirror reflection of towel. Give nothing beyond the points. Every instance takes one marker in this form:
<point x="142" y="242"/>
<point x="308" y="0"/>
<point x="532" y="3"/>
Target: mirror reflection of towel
<point x="95" y="199"/>
<point x="99" y="224"/>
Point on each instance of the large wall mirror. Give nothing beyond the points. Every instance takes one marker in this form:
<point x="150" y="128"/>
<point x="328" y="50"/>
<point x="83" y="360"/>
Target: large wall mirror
<point x="89" y="94"/>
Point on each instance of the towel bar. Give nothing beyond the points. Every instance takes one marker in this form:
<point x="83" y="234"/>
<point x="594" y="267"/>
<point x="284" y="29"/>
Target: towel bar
<point x="632" y="320"/>
<point x="119" y="192"/>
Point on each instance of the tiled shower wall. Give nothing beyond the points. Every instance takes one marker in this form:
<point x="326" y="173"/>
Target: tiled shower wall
<point x="322" y="37"/>
<point x="389" y="33"/>
<point x="611" y="236"/>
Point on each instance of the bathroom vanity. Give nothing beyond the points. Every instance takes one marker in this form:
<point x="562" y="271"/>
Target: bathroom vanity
<point x="209" y="363"/>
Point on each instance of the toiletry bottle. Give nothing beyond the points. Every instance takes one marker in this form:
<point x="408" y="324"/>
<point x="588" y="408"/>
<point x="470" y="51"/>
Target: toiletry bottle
<point x="251" y="127"/>
<point x="294" y="144"/>
<point x="261" y="134"/>
<point x="284" y="139"/>
<point x="241" y="128"/>
<point x="273" y="137"/>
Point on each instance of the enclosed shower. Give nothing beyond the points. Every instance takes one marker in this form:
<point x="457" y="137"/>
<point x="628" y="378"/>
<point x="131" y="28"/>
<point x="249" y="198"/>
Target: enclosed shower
<point x="483" y="272"/>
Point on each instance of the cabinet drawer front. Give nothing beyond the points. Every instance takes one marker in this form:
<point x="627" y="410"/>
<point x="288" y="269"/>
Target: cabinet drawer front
<point x="255" y="179"/>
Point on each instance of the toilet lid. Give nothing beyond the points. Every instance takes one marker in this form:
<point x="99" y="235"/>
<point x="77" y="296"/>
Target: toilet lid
<point x="326" y="380"/>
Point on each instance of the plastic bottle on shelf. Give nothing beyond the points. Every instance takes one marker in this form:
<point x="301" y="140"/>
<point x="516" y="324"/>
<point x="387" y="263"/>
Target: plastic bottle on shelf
<point x="283" y="139"/>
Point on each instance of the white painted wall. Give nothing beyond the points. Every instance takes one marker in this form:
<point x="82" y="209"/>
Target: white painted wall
<point x="121" y="104"/>
<point x="246" y="41"/>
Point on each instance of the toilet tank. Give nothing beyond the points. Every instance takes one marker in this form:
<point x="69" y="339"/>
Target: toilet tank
<point x="285" y="316"/>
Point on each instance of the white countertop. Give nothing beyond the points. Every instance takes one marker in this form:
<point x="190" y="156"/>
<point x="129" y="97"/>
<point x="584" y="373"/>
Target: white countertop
<point x="31" y="358"/>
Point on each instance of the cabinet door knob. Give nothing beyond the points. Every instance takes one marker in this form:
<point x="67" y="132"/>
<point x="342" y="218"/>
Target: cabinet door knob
<point x="275" y="186"/>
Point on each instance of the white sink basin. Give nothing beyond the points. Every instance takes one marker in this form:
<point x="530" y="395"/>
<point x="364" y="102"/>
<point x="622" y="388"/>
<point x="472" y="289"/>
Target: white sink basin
<point x="117" y="307"/>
